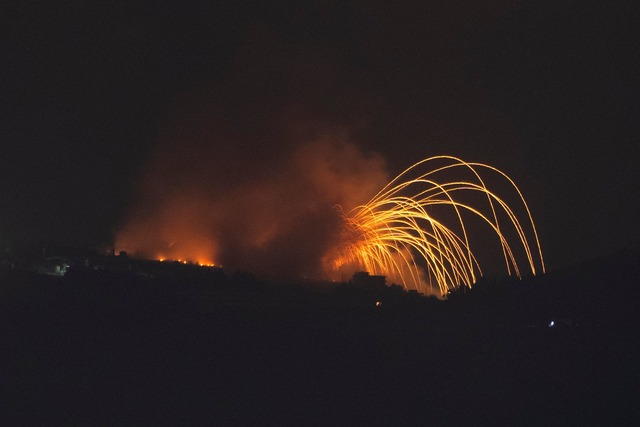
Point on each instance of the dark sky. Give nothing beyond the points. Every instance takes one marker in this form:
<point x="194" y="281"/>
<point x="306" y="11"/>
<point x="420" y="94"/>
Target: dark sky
<point x="548" y="92"/>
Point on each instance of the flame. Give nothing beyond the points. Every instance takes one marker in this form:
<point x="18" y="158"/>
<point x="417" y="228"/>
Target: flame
<point x="201" y="263"/>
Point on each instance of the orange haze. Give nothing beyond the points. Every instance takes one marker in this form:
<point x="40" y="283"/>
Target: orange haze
<point x="261" y="199"/>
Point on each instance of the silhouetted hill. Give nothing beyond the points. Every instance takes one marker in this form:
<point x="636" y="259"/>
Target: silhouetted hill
<point x="200" y="346"/>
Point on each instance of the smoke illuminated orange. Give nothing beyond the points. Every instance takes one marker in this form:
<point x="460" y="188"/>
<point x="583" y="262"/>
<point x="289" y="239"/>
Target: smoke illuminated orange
<point x="275" y="218"/>
<point x="397" y="233"/>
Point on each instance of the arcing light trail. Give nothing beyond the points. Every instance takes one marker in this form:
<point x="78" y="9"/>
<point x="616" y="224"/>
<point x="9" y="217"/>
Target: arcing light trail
<point x="398" y="235"/>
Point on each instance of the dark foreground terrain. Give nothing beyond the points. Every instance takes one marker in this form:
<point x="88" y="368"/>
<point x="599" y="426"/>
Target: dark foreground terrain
<point x="118" y="349"/>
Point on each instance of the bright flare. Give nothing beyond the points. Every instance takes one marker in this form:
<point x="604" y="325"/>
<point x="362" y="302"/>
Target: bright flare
<point x="396" y="235"/>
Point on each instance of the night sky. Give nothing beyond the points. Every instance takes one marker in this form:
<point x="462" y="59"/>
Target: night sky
<point x="548" y="92"/>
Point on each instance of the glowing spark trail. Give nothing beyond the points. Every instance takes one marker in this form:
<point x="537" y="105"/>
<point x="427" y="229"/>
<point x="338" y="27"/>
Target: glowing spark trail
<point x="397" y="233"/>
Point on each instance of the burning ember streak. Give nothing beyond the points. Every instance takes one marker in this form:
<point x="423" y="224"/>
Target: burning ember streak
<point x="398" y="234"/>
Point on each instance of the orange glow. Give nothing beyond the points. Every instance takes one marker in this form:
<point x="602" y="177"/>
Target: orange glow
<point x="167" y="238"/>
<point x="274" y="219"/>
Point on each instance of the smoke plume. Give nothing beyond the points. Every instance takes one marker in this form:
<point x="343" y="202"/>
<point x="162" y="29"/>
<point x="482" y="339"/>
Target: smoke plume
<point x="255" y="195"/>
